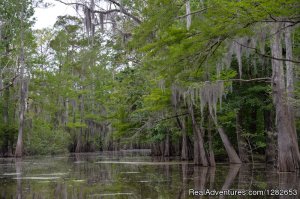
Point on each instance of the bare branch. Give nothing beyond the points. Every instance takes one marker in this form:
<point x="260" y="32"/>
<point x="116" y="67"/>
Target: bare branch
<point x="264" y="79"/>
<point x="121" y="10"/>
<point x="70" y="4"/>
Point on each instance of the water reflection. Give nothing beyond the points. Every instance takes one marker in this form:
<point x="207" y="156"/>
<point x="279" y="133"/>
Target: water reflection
<point x="19" y="181"/>
<point x="131" y="175"/>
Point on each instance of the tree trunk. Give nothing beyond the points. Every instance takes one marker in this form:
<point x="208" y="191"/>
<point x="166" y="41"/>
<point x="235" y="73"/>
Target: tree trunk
<point x="199" y="150"/>
<point x="19" y="147"/>
<point x="271" y="138"/>
<point x="196" y="148"/>
<point x="79" y="138"/>
<point x="212" y="161"/>
<point x="161" y="148"/>
<point x="167" y="145"/>
<point x="290" y="86"/>
<point x="78" y="143"/>
<point x="1" y="84"/>
<point x="242" y="144"/>
<point x="289" y="65"/>
<point x="188" y="14"/>
<point x="6" y="105"/>
<point x="66" y="118"/>
<point x="232" y="155"/>
<point x="288" y="152"/>
<point x="184" y="146"/>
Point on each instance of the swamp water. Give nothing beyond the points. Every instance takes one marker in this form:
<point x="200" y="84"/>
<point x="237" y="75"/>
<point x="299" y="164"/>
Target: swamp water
<point x="132" y="174"/>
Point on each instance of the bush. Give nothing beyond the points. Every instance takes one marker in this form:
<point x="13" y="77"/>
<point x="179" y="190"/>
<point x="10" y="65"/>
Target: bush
<point x="8" y="137"/>
<point x="43" y="140"/>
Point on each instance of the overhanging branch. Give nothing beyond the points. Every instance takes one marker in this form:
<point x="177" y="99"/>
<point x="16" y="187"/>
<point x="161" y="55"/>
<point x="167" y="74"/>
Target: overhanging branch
<point x="192" y="13"/>
<point x="267" y="56"/>
<point x="121" y="10"/>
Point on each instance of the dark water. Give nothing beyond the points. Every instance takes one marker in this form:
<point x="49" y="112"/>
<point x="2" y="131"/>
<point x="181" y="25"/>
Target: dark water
<point x="134" y="175"/>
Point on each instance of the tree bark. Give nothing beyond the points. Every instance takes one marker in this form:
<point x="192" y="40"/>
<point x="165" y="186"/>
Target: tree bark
<point x="19" y="147"/>
<point x="289" y="65"/>
<point x="212" y="161"/>
<point x="167" y="145"/>
<point x="288" y="151"/>
<point x="188" y="14"/>
<point x="79" y="145"/>
<point x="6" y="106"/>
<point x="184" y="146"/>
<point x="242" y="144"/>
<point x="232" y="155"/>
<point x="290" y="86"/>
<point x="196" y="148"/>
<point x="199" y="150"/>
<point x="271" y="139"/>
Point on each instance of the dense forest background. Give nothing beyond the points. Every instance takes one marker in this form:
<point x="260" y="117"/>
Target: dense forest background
<point x="203" y="80"/>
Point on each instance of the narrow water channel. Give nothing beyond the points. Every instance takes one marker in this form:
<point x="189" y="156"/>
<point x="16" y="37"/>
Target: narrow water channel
<point x="132" y="174"/>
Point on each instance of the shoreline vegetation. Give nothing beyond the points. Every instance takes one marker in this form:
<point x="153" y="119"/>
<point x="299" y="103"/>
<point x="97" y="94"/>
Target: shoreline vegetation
<point x="206" y="81"/>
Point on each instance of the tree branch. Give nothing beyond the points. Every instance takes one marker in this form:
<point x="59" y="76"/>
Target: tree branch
<point x="265" y="79"/>
<point x="121" y="10"/>
<point x="11" y="83"/>
<point x="267" y="56"/>
<point x="192" y="13"/>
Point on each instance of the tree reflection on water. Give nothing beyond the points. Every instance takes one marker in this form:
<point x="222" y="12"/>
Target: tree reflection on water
<point x="133" y="175"/>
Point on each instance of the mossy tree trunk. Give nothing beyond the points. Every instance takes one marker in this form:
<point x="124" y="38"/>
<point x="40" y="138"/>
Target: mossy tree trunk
<point x="288" y="151"/>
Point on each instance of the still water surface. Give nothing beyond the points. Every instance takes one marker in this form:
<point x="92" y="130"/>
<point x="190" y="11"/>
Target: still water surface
<point x="132" y="174"/>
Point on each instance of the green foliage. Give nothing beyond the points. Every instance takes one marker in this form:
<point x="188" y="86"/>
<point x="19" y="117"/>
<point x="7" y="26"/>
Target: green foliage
<point x="158" y="132"/>
<point x="71" y="125"/>
<point x="118" y="86"/>
<point x="8" y="136"/>
<point x="42" y="140"/>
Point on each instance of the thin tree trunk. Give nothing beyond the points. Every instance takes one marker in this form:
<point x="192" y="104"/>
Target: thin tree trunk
<point x="184" y="147"/>
<point x="232" y="155"/>
<point x="6" y="106"/>
<point x="212" y="161"/>
<point x="161" y="148"/>
<point x="242" y="144"/>
<point x="271" y="137"/>
<point x="78" y="143"/>
<point x="188" y="14"/>
<point x="199" y="150"/>
<point x="19" y="147"/>
<point x="79" y="138"/>
<point x="66" y="111"/>
<point x="167" y="145"/>
<point x="196" y="148"/>
<point x="288" y="151"/>
<point x="1" y="83"/>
